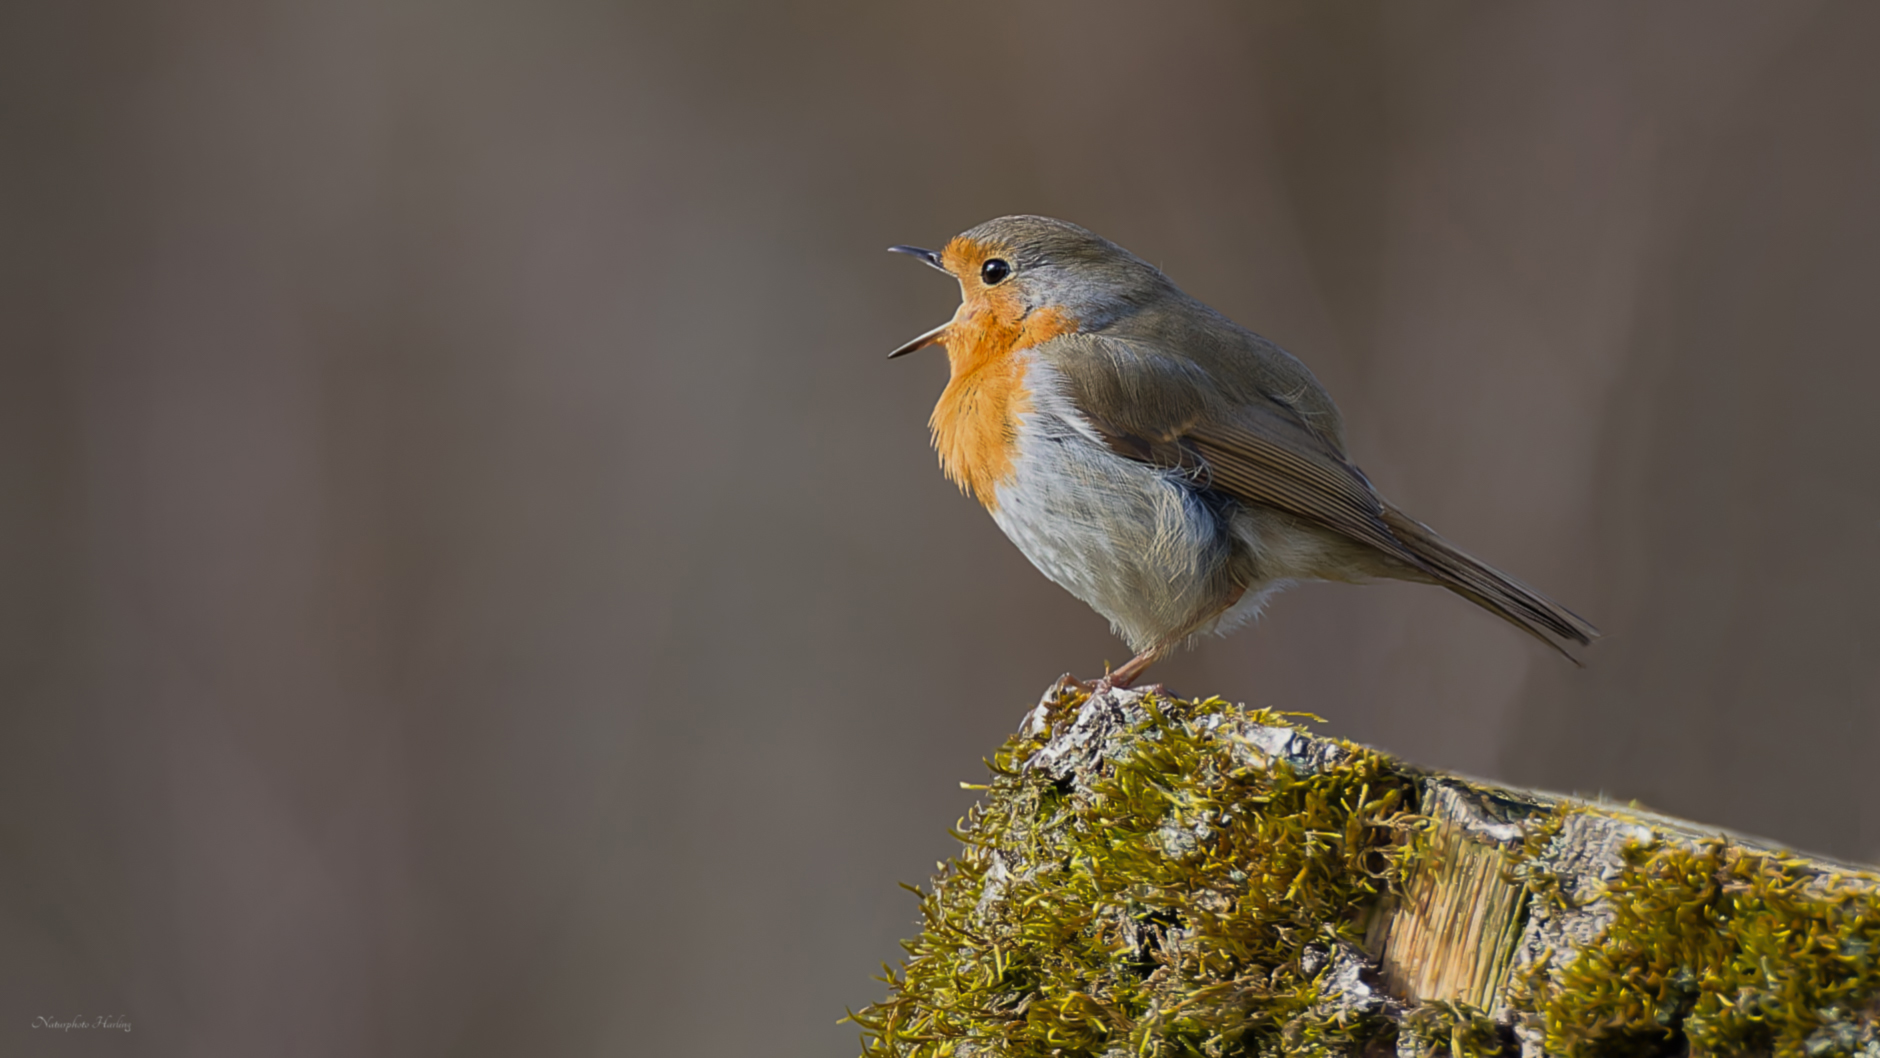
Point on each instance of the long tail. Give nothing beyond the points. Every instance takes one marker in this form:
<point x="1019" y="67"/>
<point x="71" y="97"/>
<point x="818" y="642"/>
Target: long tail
<point x="1489" y="588"/>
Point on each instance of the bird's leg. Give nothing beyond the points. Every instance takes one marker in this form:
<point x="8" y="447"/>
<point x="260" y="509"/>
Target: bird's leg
<point x="1134" y="667"/>
<point x="1121" y="679"/>
<point x="1126" y="676"/>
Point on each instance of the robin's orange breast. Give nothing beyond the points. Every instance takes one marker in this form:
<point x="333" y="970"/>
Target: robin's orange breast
<point x="975" y="425"/>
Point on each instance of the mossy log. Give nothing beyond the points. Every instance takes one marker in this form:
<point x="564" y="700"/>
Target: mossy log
<point x="1158" y="877"/>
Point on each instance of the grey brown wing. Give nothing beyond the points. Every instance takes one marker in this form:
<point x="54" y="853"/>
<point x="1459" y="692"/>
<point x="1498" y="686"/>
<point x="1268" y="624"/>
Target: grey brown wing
<point x="1165" y="410"/>
<point x="1158" y="409"/>
<point x="1325" y="488"/>
<point x="1261" y="458"/>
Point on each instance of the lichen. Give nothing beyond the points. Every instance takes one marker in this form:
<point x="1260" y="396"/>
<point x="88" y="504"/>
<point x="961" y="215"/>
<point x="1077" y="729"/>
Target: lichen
<point x="1182" y="892"/>
<point x="1721" y="949"/>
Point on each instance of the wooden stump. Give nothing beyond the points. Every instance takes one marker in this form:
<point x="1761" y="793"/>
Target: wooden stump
<point x="1152" y="876"/>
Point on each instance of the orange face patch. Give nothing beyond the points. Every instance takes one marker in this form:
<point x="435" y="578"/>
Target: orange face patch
<point x="975" y="425"/>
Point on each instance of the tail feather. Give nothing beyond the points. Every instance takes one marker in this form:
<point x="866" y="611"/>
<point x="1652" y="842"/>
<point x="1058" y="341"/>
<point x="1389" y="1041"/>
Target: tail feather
<point x="1489" y="588"/>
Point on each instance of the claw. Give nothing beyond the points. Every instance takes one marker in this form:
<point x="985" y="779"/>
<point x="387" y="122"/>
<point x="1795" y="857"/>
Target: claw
<point x="1038" y="720"/>
<point x="1068" y="682"/>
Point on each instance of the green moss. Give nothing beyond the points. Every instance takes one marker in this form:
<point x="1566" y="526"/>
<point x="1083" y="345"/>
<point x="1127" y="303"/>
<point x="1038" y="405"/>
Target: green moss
<point x="1178" y="897"/>
<point x="1456" y="1028"/>
<point x="1733" y="950"/>
<point x="1169" y="878"/>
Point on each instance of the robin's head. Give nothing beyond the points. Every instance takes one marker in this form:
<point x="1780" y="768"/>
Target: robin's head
<point x="1022" y="270"/>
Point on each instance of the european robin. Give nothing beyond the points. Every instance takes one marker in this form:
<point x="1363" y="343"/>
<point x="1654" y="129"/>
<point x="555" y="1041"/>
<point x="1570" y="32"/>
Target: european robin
<point x="1160" y="462"/>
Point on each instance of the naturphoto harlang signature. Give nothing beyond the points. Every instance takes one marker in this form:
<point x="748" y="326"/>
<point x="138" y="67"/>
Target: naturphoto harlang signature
<point x="102" y="1021"/>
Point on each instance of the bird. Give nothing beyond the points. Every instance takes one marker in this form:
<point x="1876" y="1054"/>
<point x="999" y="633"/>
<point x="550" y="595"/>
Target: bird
<point x="1167" y="466"/>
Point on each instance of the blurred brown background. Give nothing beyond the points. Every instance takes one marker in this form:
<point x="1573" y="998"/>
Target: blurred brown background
<point x="470" y="585"/>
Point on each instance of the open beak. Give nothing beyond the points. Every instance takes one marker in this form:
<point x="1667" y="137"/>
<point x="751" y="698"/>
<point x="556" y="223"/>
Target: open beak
<point x="923" y="341"/>
<point x="932" y="259"/>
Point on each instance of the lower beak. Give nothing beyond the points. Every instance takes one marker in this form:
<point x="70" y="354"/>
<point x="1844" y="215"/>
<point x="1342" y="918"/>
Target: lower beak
<point x="925" y="340"/>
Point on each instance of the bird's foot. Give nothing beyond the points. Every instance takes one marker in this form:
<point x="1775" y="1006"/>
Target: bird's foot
<point x="1105" y="684"/>
<point x="1038" y="720"/>
<point x="1068" y="683"/>
<point x="1108" y="682"/>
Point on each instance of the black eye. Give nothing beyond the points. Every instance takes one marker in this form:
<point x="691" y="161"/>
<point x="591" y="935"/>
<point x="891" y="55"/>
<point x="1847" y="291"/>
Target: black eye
<point x="994" y="271"/>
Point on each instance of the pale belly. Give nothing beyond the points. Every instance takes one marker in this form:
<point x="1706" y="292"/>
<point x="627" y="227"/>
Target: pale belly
<point x="1137" y="543"/>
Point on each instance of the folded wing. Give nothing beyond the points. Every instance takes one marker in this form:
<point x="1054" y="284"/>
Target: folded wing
<point x="1166" y="410"/>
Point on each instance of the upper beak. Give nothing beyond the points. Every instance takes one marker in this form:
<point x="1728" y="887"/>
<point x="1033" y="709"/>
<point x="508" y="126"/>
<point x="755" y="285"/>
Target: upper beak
<point x="923" y="341"/>
<point x="932" y="259"/>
